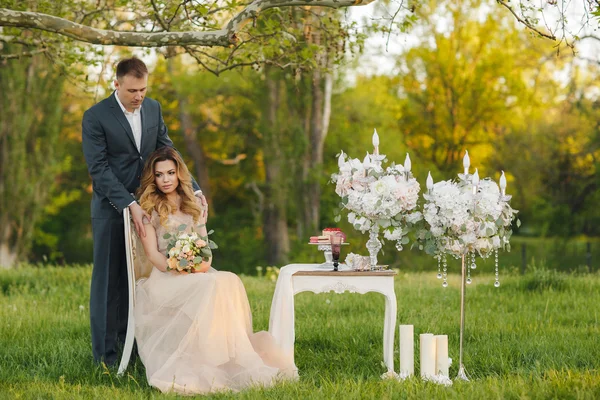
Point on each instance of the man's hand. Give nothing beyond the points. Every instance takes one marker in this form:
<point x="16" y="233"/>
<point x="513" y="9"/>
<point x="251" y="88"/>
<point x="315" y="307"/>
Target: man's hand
<point x="204" y="206"/>
<point x="138" y="215"/>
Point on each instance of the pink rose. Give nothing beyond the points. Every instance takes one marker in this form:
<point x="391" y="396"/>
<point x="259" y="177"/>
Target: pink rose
<point x="200" y="243"/>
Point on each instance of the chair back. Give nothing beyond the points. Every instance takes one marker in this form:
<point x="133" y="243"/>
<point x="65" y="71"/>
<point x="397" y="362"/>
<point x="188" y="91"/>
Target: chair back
<point x="137" y="267"/>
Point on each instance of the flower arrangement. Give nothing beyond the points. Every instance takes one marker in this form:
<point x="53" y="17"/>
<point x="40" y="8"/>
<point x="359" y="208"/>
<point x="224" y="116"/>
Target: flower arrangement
<point x="186" y="251"/>
<point x="378" y="197"/>
<point x="465" y="218"/>
<point x="460" y="220"/>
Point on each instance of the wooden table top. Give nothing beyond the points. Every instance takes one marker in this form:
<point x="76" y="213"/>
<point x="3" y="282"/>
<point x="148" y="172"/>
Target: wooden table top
<point x="345" y="273"/>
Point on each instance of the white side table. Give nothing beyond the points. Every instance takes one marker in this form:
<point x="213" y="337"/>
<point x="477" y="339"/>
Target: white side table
<point x="308" y="277"/>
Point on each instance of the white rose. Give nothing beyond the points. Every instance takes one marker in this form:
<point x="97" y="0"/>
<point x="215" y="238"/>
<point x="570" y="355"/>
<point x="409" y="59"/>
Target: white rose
<point x="380" y="188"/>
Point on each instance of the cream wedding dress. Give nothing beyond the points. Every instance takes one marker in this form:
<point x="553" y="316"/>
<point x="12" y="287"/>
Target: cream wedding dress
<point x="194" y="332"/>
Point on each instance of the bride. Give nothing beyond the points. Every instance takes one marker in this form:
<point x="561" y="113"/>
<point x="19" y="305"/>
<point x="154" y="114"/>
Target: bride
<point x="193" y="330"/>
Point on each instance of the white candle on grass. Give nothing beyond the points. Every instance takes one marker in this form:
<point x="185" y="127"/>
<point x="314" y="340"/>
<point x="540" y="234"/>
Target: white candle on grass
<point x="427" y="355"/>
<point x="441" y="358"/>
<point x="407" y="350"/>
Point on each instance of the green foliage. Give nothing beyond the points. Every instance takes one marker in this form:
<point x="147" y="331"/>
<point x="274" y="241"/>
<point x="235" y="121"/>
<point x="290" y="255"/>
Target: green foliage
<point x="30" y="149"/>
<point x="476" y="81"/>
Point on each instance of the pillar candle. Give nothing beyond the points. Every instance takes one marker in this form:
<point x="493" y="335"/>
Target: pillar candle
<point x="407" y="350"/>
<point x="441" y="358"/>
<point x="427" y="355"/>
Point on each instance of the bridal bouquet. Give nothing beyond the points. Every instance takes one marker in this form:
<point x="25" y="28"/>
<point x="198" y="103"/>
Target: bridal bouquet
<point x="186" y="251"/>
<point x="378" y="197"/>
<point x="466" y="217"/>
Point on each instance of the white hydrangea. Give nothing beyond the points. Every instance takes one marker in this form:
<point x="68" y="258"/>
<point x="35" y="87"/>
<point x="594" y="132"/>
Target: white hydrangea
<point x="462" y="221"/>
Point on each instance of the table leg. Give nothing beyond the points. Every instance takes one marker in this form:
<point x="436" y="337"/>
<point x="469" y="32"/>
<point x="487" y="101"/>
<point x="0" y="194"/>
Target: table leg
<point x="389" y="329"/>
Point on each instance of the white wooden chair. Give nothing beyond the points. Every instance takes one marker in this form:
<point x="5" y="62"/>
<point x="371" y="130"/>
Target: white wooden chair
<point x="134" y="254"/>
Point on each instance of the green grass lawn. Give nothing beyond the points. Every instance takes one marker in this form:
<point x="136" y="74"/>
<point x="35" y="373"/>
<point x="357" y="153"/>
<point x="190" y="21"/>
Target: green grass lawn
<point x="535" y="337"/>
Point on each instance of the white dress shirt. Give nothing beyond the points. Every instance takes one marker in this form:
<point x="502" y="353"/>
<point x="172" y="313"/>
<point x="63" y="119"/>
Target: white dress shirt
<point x="135" y="121"/>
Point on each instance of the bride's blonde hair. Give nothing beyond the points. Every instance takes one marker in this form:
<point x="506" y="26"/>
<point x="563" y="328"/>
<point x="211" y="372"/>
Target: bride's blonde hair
<point x="151" y="198"/>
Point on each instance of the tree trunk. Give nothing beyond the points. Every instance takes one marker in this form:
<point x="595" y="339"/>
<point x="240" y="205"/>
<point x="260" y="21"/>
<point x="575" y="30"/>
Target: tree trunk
<point x="320" y="114"/>
<point x="192" y="146"/>
<point x="275" y="214"/>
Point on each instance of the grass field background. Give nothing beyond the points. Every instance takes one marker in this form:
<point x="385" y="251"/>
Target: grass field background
<point x="535" y="337"/>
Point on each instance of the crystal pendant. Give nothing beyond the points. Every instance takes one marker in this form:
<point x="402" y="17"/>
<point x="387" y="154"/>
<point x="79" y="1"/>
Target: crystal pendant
<point x="469" y="268"/>
<point x="373" y="245"/>
<point x="497" y="282"/>
<point x="439" y="275"/>
<point x="445" y="274"/>
<point x="399" y="246"/>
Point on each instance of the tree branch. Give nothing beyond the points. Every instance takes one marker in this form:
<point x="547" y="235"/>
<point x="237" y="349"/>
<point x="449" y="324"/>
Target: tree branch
<point x="20" y="55"/>
<point x="220" y="37"/>
<point x="525" y="22"/>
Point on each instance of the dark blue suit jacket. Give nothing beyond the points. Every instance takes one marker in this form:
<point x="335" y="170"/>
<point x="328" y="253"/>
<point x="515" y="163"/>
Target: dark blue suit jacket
<point x="113" y="160"/>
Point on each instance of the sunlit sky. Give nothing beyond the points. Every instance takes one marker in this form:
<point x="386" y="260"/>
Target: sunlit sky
<point x="378" y="59"/>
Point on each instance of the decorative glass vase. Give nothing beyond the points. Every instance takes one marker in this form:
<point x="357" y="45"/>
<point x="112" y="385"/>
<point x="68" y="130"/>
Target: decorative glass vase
<point x="373" y="245"/>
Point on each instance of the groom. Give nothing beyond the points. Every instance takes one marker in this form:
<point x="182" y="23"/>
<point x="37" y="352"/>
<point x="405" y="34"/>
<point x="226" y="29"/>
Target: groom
<point x="118" y="134"/>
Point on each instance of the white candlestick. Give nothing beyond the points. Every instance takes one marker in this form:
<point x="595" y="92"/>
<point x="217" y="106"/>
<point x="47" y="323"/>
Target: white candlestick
<point x="466" y="162"/>
<point x="475" y="181"/>
<point x="442" y="366"/>
<point x="375" y="142"/>
<point x="427" y="354"/>
<point x="407" y="164"/>
<point x="407" y="350"/>
<point x="503" y="184"/>
<point x="367" y="161"/>
<point x="429" y="182"/>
